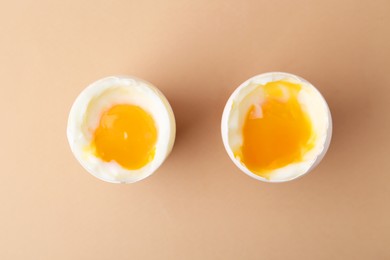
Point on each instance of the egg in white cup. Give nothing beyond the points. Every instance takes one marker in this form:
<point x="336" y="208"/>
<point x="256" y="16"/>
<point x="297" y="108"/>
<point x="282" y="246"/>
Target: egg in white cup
<point x="276" y="127"/>
<point x="121" y="129"/>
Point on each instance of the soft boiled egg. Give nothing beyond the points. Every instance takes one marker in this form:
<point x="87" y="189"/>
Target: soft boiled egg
<point x="276" y="127"/>
<point x="121" y="129"/>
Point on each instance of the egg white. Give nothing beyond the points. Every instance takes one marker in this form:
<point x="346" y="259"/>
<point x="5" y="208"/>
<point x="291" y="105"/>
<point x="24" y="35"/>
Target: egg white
<point x="250" y="93"/>
<point x="98" y="97"/>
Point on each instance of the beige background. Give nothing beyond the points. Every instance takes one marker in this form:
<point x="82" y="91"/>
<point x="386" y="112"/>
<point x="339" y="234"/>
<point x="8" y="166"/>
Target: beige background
<point x="198" y="205"/>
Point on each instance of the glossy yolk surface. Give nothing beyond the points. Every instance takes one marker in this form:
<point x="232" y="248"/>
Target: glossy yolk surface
<point x="277" y="132"/>
<point x="126" y="134"/>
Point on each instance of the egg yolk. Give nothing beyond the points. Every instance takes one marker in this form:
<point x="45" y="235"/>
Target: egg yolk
<point x="277" y="132"/>
<point x="126" y="134"/>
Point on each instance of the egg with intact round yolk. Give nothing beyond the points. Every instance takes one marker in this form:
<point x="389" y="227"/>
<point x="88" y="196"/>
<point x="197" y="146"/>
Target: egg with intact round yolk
<point x="121" y="129"/>
<point x="276" y="127"/>
<point x="126" y="134"/>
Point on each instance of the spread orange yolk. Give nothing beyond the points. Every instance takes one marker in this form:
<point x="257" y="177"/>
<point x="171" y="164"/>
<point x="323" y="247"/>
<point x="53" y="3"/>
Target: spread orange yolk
<point x="126" y="134"/>
<point x="277" y="132"/>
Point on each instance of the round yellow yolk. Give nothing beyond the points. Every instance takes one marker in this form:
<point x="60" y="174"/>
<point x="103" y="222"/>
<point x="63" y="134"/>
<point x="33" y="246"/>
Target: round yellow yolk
<point x="126" y="134"/>
<point x="278" y="132"/>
